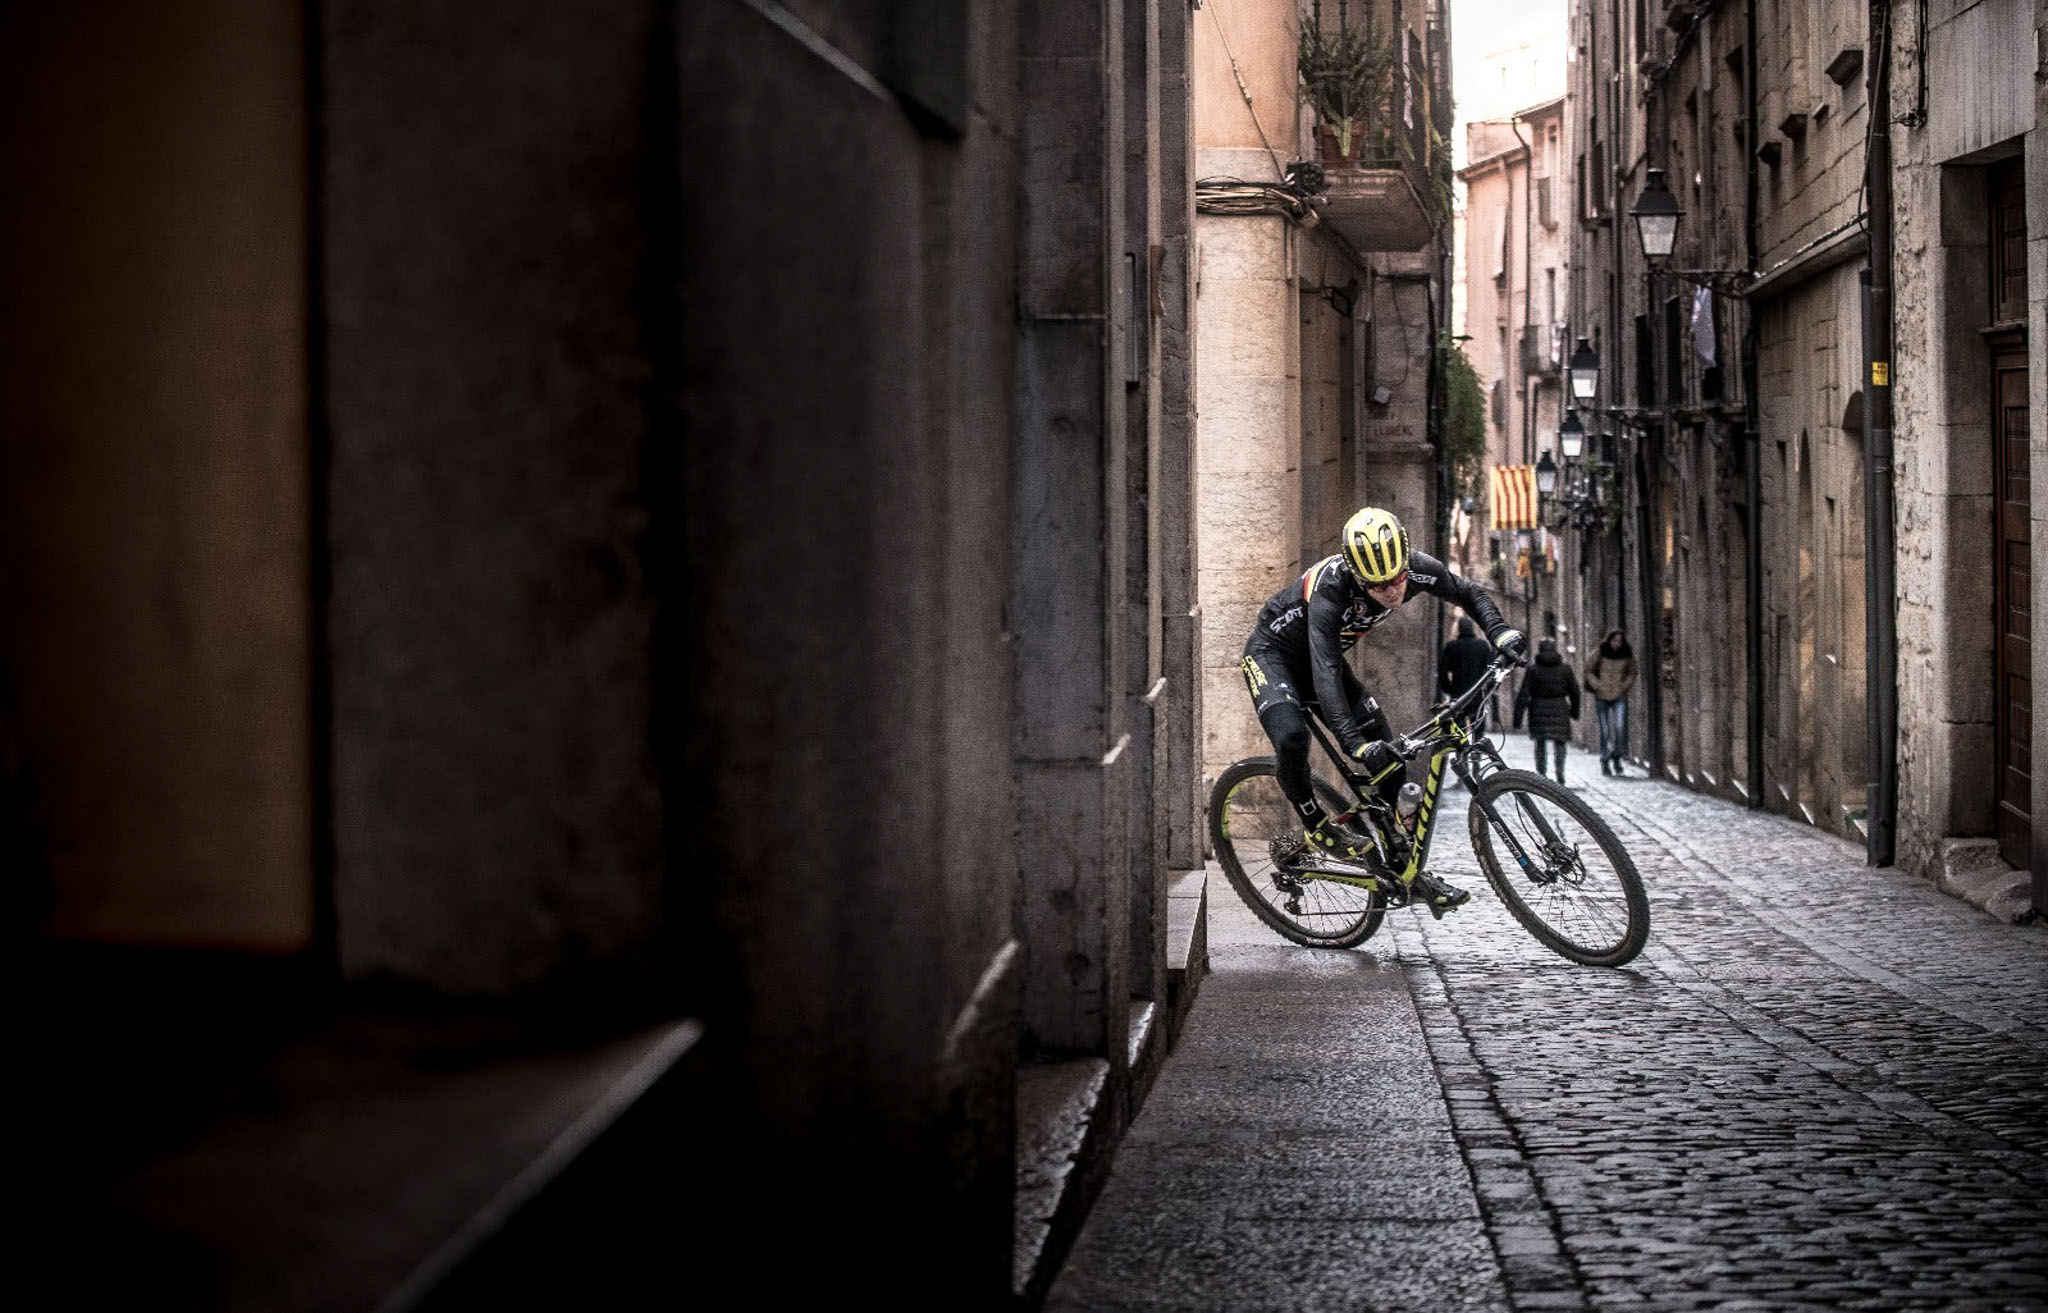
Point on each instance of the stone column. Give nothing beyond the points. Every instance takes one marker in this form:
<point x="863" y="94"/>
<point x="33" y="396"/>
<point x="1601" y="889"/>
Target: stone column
<point x="1249" y="446"/>
<point x="1178" y="732"/>
<point x="1248" y="393"/>
<point x="1071" y="741"/>
<point x="1138" y="330"/>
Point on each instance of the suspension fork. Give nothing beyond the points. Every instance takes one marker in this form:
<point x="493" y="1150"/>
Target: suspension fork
<point x="1501" y="827"/>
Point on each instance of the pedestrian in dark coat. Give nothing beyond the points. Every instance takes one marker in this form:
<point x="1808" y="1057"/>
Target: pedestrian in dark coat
<point x="1550" y="698"/>
<point x="1465" y="659"/>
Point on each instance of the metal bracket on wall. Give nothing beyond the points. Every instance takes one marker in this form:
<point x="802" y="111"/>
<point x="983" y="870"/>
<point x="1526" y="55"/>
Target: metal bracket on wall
<point x="1726" y="282"/>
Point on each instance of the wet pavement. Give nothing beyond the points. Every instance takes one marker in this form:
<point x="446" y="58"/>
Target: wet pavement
<point x="1820" y="1086"/>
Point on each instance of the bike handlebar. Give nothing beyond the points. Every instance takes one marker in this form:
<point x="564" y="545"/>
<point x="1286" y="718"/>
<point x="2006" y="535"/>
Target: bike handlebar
<point x="1407" y="749"/>
<point x="1496" y="670"/>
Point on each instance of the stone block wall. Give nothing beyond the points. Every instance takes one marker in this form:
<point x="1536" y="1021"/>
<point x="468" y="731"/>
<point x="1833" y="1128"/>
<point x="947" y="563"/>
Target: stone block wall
<point x="1817" y="126"/>
<point x="1248" y="446"/>
<point x="1397" y="662"/>
<point x="1942" y="371"/>
<point x="2037" y="447"/>
<point x="1810" y="359"/>
<point x="497" y="815"/>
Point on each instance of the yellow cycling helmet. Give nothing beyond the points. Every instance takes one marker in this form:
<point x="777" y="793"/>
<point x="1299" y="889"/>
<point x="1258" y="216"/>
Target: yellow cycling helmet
<point x="1376" y="546"/>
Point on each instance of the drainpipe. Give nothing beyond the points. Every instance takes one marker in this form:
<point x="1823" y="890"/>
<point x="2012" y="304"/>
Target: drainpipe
<point x="1880" y="565"/>
<point x="1647" y="573"/>
<point x="1439" y="394"/>
<point x="1617" y="333"/>
<point x="1753" y="479"/>
<point x="1651" y="524"/>
<point x="1437" y="402"/>
<point x="1610" y="349"/>
<point x="1528" y="283"/>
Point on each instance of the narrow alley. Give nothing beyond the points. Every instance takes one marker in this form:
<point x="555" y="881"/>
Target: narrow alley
<point x="1821" y="1085"/>
<point x="618" y="623"/>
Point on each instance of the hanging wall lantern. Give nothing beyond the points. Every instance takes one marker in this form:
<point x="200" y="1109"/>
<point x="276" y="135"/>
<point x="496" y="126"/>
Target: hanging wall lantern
<point x="1571" y="436"/>
<point x="1585" y="372"/>
<point x="1657" y="214"/>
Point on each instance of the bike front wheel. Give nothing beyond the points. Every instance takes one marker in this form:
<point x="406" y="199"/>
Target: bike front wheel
<point x="1559" y="868"/>
<point x="1247" y="814"/>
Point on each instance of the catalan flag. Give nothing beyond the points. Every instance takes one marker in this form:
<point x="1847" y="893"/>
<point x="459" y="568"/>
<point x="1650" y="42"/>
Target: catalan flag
<point x="1514" y="497"/>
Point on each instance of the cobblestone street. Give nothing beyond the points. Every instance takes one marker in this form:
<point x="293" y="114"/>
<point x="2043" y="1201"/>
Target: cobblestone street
<point x="1820" y="1086"/>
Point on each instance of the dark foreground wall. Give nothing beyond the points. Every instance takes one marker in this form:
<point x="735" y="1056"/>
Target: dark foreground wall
<point x="841" y="663"/>
<point x="154" y="590"/>
<point x="491" y="318"/>
<point x="612" y="514"/>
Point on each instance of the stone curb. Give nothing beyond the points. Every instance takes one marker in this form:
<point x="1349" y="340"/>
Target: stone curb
<point x="1523" y="1229"/>
<point x="1972" y="870"/>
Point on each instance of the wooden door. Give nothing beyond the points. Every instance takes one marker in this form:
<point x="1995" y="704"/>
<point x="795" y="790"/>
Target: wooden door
<point x="2013" y="662"/>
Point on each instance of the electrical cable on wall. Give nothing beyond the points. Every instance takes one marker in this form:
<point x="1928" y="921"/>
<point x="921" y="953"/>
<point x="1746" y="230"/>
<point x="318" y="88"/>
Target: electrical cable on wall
<point x="1236" y="196"/>
<point x="1224" y="195"/>
<point x="1242" y="89"/>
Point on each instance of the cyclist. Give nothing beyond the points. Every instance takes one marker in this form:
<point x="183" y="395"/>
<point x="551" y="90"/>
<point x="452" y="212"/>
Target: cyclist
<point x="1294" y="664"/>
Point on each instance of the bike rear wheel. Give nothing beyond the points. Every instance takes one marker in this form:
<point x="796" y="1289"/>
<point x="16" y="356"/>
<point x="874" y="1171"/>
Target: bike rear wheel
<point x="1559" y="868"/>
<point x="1247" y="812"/>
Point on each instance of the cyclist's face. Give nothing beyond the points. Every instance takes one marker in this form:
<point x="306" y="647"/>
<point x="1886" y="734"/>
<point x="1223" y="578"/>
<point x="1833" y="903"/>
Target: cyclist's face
<point x="1389" y="593"/>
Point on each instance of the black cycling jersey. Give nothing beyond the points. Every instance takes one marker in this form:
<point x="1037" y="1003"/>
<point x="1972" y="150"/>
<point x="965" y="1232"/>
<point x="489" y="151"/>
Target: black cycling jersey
<point x="1310" y="624"/>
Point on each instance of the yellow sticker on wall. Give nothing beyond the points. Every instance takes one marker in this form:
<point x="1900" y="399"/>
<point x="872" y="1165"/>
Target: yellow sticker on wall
<point x="1880" y="373"/>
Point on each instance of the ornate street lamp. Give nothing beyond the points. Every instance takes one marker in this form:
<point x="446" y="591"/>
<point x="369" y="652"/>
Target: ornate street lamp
<point x="1657" y="214"/>
<point x="1571" y="436"/>
<point x="1546" y="475"/>
<point x="1585" y="372"/>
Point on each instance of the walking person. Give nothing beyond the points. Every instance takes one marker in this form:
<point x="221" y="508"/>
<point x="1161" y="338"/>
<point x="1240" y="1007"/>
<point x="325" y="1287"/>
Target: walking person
<point x="1460" y="665"/>
<point x="1465" y="658"/>
<point x="1549" y="696"/>
<point x="1608" y="678"/>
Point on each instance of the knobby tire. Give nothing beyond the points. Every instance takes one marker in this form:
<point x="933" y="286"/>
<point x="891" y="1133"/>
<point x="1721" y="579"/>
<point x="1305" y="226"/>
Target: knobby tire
<point x="1244" y="829"/>
<point x="1564" y="915"/>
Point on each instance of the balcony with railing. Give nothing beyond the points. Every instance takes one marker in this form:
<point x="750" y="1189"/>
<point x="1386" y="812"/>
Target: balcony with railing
<point x="1371" y="96"/>
<point x="1540" y="354"/>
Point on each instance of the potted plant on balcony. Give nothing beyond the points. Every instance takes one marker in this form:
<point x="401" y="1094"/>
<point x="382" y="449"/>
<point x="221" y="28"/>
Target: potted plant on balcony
<point x="1345" y="77"/>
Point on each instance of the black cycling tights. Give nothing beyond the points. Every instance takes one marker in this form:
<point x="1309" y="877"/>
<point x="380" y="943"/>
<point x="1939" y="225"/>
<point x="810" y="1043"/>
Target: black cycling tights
<point x="1287" y="725"/>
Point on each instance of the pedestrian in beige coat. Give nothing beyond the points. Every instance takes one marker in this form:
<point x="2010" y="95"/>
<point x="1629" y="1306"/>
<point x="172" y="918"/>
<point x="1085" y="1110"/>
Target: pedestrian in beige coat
<point x="1609" y="675"/>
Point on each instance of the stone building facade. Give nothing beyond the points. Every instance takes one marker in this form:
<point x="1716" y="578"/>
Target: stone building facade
<point x="1739" y="390"/>
<point x="1318" y="312"/>
<point x="1972" y="188"/>
<point x="596" y="639"/>
<point x="1517" y="281"/>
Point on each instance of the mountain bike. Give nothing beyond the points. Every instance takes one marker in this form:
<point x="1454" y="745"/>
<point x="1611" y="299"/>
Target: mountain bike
<point x="1549" y="856"/>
